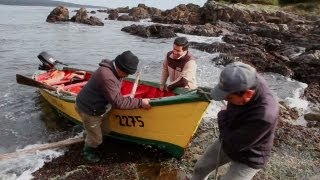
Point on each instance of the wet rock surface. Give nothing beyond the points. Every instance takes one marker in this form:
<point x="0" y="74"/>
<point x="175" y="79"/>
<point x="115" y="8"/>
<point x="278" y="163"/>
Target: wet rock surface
<point x="150" y="31"/>
<point x="181" y="14"/>
<point x="61" y="14"/>
<point x="295" y="155"/>
<point x="58" y="14"/>
<point x="270" y="40"/>
<point x="113" y="14"/>
<point x="82" y="17"/>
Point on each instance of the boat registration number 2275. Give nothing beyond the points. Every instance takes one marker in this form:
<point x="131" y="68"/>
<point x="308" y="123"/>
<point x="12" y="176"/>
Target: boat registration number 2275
<point x="130" y="121"/>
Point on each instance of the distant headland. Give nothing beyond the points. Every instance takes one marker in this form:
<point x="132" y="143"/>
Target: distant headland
<point x="49" y="3"/>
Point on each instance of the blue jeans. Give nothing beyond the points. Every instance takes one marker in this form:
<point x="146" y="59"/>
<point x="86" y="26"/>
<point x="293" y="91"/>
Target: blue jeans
<point x="209" y="160"/>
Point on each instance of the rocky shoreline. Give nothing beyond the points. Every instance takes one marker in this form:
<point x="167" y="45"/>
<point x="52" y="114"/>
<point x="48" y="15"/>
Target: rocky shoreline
<point x="266" y="37"/>
<point x="295" y="155"/>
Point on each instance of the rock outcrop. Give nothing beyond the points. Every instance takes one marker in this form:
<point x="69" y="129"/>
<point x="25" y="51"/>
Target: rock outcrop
<point x="272" y="41"/>
<point x="181" y="14"/>
<point x="82" y="17"/>
<point x="58" y="14"/>
<point x="61" y="14"/>
<point x="113" y="14"/>
<point x="150" y="31"/>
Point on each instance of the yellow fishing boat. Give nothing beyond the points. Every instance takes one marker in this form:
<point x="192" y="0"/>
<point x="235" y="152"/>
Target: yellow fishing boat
<point x="169" y="124"/>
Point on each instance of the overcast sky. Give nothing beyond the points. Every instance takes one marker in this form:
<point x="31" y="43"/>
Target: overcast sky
<point x="161" y="4"/>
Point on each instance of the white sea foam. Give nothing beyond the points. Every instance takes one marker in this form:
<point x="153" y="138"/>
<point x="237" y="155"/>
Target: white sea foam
<point x="201" y="39"/>
<point x="288" y="90"/>
<point x="285" y="89"/>
<point x="22" y="167"/>
<point x="147" y="20"/>
<point x="296" y="101"/>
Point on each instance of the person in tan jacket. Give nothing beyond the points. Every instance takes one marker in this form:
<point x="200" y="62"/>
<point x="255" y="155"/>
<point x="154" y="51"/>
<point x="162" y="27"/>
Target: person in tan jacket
<point x="179" y="66"/>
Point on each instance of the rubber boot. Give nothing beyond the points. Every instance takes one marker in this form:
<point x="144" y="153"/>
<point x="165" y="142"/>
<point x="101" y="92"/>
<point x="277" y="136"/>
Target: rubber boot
<point x="89" y="154"/>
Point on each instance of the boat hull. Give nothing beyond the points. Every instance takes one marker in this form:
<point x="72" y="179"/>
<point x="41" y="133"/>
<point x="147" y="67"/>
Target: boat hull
<point x="169" y="125"/>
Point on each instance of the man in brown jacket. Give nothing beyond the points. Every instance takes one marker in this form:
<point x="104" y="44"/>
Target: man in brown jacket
<point x="102" y="92"/>
<point x="179" y="66"/>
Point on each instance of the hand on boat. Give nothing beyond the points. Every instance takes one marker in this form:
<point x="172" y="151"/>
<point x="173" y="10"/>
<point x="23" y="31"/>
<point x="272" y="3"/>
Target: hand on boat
<point x="146" y="104"/>
<point x="59" y="89"/>
<point x="163" y="87"/>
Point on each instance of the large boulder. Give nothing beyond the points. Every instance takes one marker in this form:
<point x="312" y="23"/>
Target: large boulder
<point x="212" y="12"/>
<point x="312" y="93"/>
<point x="125" y="17"/>
<point x="306" y="66"/>
<point x="181" y="14"/>
<point x="143" y="12"/>
<point x="151" y="10"/>
<point x="218" y="29"/>
<point x="155" y="30"/>
<point x="58" y="14"/>
<point x="82" y="17"/>
<point x="113" y="15"/>
<point x="139" y="13"/>
<point x="93" y="21"/>
<point x="123" y="9"/>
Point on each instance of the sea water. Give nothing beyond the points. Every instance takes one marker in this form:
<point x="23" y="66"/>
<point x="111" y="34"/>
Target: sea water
<point x="26" y="118"/>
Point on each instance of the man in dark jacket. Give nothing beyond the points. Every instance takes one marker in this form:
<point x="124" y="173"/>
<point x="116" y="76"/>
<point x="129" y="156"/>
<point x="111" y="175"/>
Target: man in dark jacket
<point x="102" y="92"/>
<point x="247" y="125"/>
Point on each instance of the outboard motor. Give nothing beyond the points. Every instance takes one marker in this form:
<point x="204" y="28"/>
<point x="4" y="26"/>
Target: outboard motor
<point x="48" y="62"/>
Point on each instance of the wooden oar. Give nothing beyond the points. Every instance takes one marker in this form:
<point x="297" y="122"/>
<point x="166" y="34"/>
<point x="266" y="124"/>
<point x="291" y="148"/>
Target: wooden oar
<point x="135" y="85"/>
<point x="31" y="82"/>
<point x="42" y="147"/>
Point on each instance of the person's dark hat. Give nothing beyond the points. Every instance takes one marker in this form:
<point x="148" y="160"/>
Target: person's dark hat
<point x="235" y="77"/>
<point x="127" y="62"/>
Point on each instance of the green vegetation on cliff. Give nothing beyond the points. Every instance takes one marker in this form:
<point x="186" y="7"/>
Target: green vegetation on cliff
<point x="301" y="7"/>
<point x="270" y="2"/>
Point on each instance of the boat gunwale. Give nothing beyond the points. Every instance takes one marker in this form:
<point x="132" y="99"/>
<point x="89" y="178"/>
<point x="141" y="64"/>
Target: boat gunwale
<point x="182" y="95"/>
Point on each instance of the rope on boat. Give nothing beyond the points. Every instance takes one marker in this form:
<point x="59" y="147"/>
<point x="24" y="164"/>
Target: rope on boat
<point x="200" y="91"/>
<point x="206" y="94"/>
